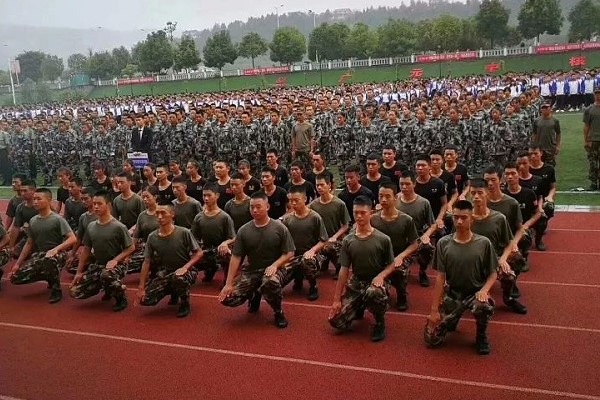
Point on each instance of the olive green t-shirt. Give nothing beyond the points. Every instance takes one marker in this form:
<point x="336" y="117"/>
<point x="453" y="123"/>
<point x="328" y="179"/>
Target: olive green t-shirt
<point x="48" y="232"/>
<point x="306" y="232"/>
<point x="495" y="227"/>
<point x="171" y="252"/>
<point x="84" y="221"/>
<point x="239" y="212"/>
<point x="334" y="214"/>
<point x="467" y="265"/>
<point x="591" y="116"/>
<point x="510" y="208"/>
<point x="213" y="230"/>
<point x="107" y="241"/>
<point x="367" y="256"/>
<point x="23" y="214"/>
<point x="402" y="230"/>
<point x="73" y="210"/>
<point x="263" y="245"/>
<point x="420" y="211"/>
<point x="186" y="212"/>
<point x="303" y="133"/>
<point x="127" y="211"/>
<point x="146" y="224"/>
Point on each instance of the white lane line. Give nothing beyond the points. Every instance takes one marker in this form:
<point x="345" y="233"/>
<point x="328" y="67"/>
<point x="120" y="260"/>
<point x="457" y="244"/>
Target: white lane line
<point x="300" y="361"/>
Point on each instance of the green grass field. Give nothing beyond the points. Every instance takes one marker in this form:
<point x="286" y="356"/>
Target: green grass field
<point x="373" y="74"/>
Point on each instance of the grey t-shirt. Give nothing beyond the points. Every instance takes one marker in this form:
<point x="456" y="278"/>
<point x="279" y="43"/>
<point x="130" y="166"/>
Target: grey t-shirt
<point x="127" y="211"/>
<point x="306" y="232"/>
<point x="367" y="256"/>
<point x="107" y="240"/>
<point x="186" y="212"/>
<point x="74" y="210"/>
<point x="146" y="224"/>
<point x="420" y="211"/>
<point x="263" y="245"/>
<point x="213" y="230"/>
<point x="334" y="214"/>
<point x="84" y="221"/>
<point x="466" y="265"/>
<point x="591" y="116"/>
<point x="239" y="212"/>
<point x="171" y="252"/>
<point x="303" y="133"/>
<point x="510" y="208"/>
<point x="23" y="214"/>
<point x="494" y="227"/>
<point x="402" y="230"/>
<point x="547" y="130"/>
<point x="48" y="232"/>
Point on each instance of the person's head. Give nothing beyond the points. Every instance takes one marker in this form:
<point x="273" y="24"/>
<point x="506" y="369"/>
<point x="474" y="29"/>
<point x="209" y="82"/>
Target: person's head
<point x="492" y="175"/>
<point x="297" y="198"/>
<point x="479" y="192"/>
<point x="296" y="170"/>
<point x="75" y="185"/>
<point x="221" y="168"/>
<point x="17" y="181"/>
<point x="210" y="194"/>
<point x="149" y="196"/>
<point x="407" y="181"/>
<point x="451" y="153"/>
<point x="323" y="183"/>
<point x="174" y="167"/>
<point x="42" y="199"/>
<point x="546" y="110"/>
<point x="535" y="154"/>
<point x="361" y="210"/>
<point x="318" y="161"/>
<point x="87" y="195"/>
<point x="102" y="203"/>
<point x="259" y="205"/>
<point x="149" y="171"/>
<point x="193" y="168"/>
<point x="523" y="163"/>
<point x="64" y="175"/>
<point x="272" y="157"/>
<point x="387" y="195"/>
<point x="162" y="172"/>
<point x="100" y="170"/>
<point x="165" y="214"/>
<point x="179" y="187"/>
<point x="244" y="167"/>
<point x="123" y="181"/>
<point x="511" y="173"/>
<point x="436" y="158"/>
<point x="237" y="183"/>
<point x="373" y="164"/>
<point x="27" y="189"/>
<point x="462" y="215"/>
<point x="423" y="165"/>
<point x="352" y="176"/>
<point x="267" y="176"/>
<point x="389" y="154"/>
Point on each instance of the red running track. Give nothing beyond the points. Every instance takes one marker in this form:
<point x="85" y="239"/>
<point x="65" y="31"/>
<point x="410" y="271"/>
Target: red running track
<point x="82" y="350"/>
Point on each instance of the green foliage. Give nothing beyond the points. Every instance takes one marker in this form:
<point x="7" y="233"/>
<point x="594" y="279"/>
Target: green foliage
<point x="540" y="16"/>
<point x="4" y="78"/>
<point x="187" y="55"/>
<point x="101" y="65"/>
<point x="362" y="42"/>
<point x="121" y="57"/>
<point x="585" y="20"/>
<point x="219" y="50"/>
<point x="329" y="42"/>
<point x="155" y="53"/>
<point x="252" y="46"/>
<point x="396" y="38"/>
<point x="52" y="67"/>
<point x="28" y="91"/>
<point x="447" y="33"/>
<point x="129" y="70"/>
<point x="77" y="62"/>
<point x="288" y="46"/>
<point x="492" y="21"/>
<point x="31" y="65"/>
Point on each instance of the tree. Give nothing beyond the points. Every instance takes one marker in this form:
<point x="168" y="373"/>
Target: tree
<point x="396" y="38"/>
<point x="28" y="91"/>
<point x="471" y="39"/>
<point x="42" y="92"/>
<point x="425" y="40"/>
<point x="4" y="78"/>
<point x="52" y="67"/>
<point x="288" y="46"/>
<point x="219" y="50"/>
<point x="102" y="65"/>
<point x="187" y="56"/>
<point x="130" y="70"/>
<point x="121" y="57"/>
<point x="540" y="16"/>
<point x="584" y="17"/>
<point x="77" y="62"/>
<point x="31" y="64"/>
<point x="447" y="32"/>
<point x="492" y="20"/>
<point x="329" y="42"/>
<point x="155" y="53"/>
<point x="252" y="46"/>
<point x="361" y="42"/>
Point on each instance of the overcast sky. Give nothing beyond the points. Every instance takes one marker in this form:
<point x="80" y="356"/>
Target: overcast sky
<point x="153" y="14"/>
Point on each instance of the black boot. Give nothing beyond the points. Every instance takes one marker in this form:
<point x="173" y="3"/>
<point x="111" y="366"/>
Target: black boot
<point x="173" y="300"/>
<point x="423" y="278"/>
<point x="280" y="319"/>
<point x="516" y="307"/>
<point x="481" y="340"/>
<point x="254" y="303"/>
<point x="55" y="296"/>
<point x="297" y="285"/>
<point x="402" y="302"/>
<point x="378" y="331"/>
<point x="121" y="303"/>
<point x="360" y="313"/>
<point x="539" y="244"/>
<point x="184" y="309"/>
<point x="313" y="293"/>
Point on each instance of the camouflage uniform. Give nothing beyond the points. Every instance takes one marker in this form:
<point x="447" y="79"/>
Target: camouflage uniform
<point x="421" y="137"/>
<point x="159" y="148"/>
<point x="272" y="286"/>
<point x="97" y="277"/>
<point x="245" y="287"/>
<point x="40" y="268"/>
<point x="165" y="284"/>
<point x="210" y="263"/>
<point x="249" y="138"/>
<point x="358" y="295"/>
<point x="593" y="156"/>
<point x="498" y="139"/>
<point x="67" y="145"/>
<point x="343" y="151"/>
<point x="204" y="147"/>
<point x="225" y="143"/>
<point x="276" y="137"/>
<point x="103" y="145"/>
<point x="331" y="254"/>
<point x="48" y="153"/>
<point x="87" y="151"/>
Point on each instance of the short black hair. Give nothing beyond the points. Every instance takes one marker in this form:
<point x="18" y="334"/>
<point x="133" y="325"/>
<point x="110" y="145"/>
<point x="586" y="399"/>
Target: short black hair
<point x="20" y="176"/>
<point x="452" y="147"/>
<point x="374" y="157"/>
<point x="436" y="152"/>
<point x="323" y="177"/>
<point x="260" y="195"/>
<point x="89" y="190"/>
<point x="237" y="175"/>
<point x="104" y="195"/>
<point x="493" y="169"/>
<point x="153" y="190"/>
<point x="211" y="187"/>
<point x="297" y="189"/>
<point x="510" y="165"/>
<point x="297" y="164"/>
<point x="463" y="205"/>
<point x="64" y="171"/>
<point x="478" y="183"/>
<point x="423" y="157"/>
<point x="45" y="191"/>
<point x="389" y="185"/>
<point x="179" y="179"/>
<point x="363" y="201"/>
<point x="351" y="169"/>
<point x="30" y="183"/>
<point x="76" y="180"/>
<point x="408" y="174"/>
<point x="267" y="169"/>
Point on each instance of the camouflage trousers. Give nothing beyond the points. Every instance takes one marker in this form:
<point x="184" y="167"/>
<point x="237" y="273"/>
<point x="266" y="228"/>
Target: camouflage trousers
<point x="210" y="263"/>
<point x="342" y="162"/>
<point x="451" y="310"/>
<point x="40" y="268"/>
<point x="136" y="259"/>
<point x="4" y="257"/>
<point x="304" y="158"/>
<point x="331" y="254"/>
<point x="254" y="160"/>
<point x="508" y="280"/>
<point x="272" y="286"/>
<point x="246" y="285"/>
<point x="360" y="295"/>
<point x="423" y="256"/>
<point x="593" y="156"/>
<point x="549" y="157"/>
<point x="165" y="284"/>
<point x="97" y="277"/>
<point x="231" y="158"/>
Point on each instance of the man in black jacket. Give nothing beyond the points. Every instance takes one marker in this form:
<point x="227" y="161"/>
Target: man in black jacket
<point x="141" y="137"/>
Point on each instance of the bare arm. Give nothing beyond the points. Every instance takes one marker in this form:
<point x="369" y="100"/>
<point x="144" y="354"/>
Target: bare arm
<point x="341" y="232"/>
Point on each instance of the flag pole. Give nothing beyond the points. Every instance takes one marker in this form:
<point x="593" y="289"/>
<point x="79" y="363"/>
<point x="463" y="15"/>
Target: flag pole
<point x="12" y="83"/>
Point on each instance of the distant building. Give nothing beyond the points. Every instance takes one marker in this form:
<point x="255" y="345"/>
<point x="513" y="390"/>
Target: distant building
<point x="340" y="14"/>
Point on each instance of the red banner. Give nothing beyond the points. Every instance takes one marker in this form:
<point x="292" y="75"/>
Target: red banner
<point x="136" y="81"/>
<point x="565" y="48"/>
<point x="458" y="56"/>
<point x="491" y="68"/>
<point x="416" y="73"/>
<point x="577" y="62"/>
<point x="267" y="71"/>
